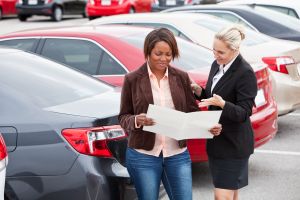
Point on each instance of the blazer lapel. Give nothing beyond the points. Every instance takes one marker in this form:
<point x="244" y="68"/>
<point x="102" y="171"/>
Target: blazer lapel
<point x="213" y="71"/>
<point x="145" y="84"/>
<point x="228" y="74"/>
<point x="176" y="90"/>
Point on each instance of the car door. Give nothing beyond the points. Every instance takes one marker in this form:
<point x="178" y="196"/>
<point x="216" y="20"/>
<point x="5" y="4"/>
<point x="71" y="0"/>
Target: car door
<point x="85" y="55"/>
<point x="143" y="5"/>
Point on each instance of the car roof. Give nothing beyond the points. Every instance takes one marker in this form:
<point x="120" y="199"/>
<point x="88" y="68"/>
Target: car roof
<point x="285" y="3"/>
<point x="84" y="31"/>
<point x="180" y="18"/>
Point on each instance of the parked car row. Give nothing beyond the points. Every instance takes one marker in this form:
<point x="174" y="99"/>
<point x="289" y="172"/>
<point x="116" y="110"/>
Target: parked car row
<point x="56" y="9"/>
<point x="109" y="52"/>
<point x="200" y="29"/>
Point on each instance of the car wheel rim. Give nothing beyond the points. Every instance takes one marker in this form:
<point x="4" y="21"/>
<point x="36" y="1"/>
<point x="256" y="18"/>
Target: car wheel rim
<point x="58" y="14"/>
<point x="131" y="10"/>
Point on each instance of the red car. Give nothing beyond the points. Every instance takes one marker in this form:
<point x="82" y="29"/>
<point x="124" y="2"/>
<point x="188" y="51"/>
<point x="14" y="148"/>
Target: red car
<point x="104" y="52"/>
<point x="7" y="7"/>
<point x="98" y="8"/>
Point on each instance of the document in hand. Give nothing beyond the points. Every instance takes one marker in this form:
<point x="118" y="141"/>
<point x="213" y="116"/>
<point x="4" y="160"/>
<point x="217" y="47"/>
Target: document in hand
<point x="180" y="125"/>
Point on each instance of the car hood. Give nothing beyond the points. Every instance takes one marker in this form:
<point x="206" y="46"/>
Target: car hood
<point x="99" y="106"/>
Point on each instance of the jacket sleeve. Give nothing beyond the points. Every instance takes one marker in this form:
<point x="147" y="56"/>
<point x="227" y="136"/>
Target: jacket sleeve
<point x="246" y="90"/>
<point x="202" y="95"/>
<point x="126" y="115"/>
<point x="190" y="96"/>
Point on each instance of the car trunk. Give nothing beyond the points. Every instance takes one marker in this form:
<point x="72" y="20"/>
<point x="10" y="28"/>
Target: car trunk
<point x="276" y="48"/>
<point x="102" y="110"/>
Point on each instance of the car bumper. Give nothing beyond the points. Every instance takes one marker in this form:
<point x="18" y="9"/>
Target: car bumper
<point x="34" y="10"/>
<point x="89" y="178"/>
<point x="96" y="11"/>
<point x="287" y="92"/>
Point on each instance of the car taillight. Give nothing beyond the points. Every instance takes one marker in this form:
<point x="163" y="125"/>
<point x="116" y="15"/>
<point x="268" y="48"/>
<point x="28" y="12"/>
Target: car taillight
<point x="155" y="2"/>
<point x="3" y="151"/>
<point x="187" y="2"/>
<point x="48" y="1"/>
<point x="93" y="141"/>
<point x="278" y="64"/>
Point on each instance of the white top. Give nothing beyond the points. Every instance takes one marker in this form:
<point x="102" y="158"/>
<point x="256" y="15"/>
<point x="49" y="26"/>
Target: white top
<point x="222" y="70"/>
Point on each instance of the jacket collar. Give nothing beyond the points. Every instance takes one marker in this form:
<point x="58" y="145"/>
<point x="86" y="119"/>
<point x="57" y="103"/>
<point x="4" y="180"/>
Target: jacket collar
<point x="226" y="77"/>
<point x="174" y="82"/>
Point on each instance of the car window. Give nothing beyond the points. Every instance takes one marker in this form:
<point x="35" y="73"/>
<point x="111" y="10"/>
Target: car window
<point x="283" y="19"/>
<point x="109" y="66"/>
<point x="283" y="10"/>
<point x="45" y="82"/>
<point x="80" y="54"/>
<point x="23" y="44"/>
<point x="83" y="55"/>
<point x="229" y="17"/>
<point x="252" y="37"/>
<point x="191" y="57"/>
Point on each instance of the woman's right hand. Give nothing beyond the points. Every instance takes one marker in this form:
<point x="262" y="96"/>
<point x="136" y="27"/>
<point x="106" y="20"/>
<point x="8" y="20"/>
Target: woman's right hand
<point x="143" y="120"/>
<point x="196" y="89"/>
<point x="216" y="130"/>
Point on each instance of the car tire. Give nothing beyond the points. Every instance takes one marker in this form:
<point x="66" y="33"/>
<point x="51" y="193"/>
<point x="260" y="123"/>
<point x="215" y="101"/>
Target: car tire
<point x="22" y="18"/>
<point x="0" y="13"/>
<point x="91" y="18"/>
<point x="131" y="10"/>
<point x="57" y="14"/>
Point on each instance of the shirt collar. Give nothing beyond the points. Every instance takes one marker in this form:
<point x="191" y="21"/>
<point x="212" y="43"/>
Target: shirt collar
<point x="226" y="67"/>
<point x="150" y="73"/>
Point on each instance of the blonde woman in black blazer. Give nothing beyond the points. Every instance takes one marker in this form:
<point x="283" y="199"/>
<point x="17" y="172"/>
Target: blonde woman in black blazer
<point x="231" y="87"/>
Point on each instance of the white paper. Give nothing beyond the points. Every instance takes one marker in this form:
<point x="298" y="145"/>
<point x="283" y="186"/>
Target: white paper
<point x="180" y="125"/>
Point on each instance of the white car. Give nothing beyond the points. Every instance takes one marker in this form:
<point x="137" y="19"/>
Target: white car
<point x="288" y="7"/>
<point x="283" y="57"/>
<point x="3" y="164"/>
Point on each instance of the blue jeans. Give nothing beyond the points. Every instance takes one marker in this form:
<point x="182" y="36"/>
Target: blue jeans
<point x="148" y="171"/>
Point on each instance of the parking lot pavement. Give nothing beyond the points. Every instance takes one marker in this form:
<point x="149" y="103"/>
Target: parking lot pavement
<point x="12" y="24"/>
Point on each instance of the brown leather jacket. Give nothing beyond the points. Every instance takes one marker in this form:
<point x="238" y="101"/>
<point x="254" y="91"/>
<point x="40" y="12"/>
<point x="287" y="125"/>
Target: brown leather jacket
<point x="137" y="95"/>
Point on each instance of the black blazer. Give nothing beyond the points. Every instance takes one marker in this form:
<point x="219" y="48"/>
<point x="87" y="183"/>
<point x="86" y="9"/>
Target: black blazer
<point x="238" y="87"/>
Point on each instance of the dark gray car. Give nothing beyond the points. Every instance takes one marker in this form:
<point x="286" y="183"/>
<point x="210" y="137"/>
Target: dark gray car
<point x="61" y="132"/>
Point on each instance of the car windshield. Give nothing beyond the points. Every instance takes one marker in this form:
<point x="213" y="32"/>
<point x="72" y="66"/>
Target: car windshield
<point x="278" y="17"/>
<point x="252" y="37"/>
<point x="45" y="82"/>
<point x="191" y="57"/>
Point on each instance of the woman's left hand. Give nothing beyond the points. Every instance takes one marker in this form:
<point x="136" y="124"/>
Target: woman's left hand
<point x="216" y="130"/>
<point x="216" y="100"/>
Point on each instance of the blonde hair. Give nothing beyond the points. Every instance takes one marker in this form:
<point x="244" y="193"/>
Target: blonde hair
<point x="232" y="36"/>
